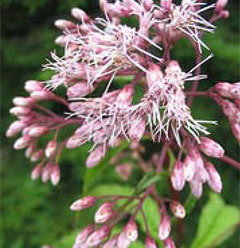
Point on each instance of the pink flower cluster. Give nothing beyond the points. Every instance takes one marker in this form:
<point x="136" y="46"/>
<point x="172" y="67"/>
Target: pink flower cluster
<point x="100" y="51"/>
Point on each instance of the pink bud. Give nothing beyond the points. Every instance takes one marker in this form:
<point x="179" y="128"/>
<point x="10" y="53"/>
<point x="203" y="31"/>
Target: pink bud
<point x="104" y="212"/>
<point x="15" y="128"/>
<point x="36" y="155"/>
<point x="148" y="4"/>
<point x="188" y="168"/>
<point x="51" y="148"/>
<point x="223" y="89"/>
<point x="36" y="172"/>
<point x="137" y="130"/>
<point x="111" y="97"/>
<point x="131" y="231"/>
<point x="55" y="174"/>
<point x="236" y="130"/>
<point x="229" y="108"/>
<point x="196" y="188"/>
<point x="125" y="96"/>
<point x="123" y="241"/>
<point x="42" y="95"/>
<point x="22" y="143"/>
<point x="20" y="111"/>
<point x="154" y="76"/>
<point x="79" y="90"/>
<point x="38" y="131"/>
<point x="61" y="40"/>
<point x="111" y="243"/>
<point x="46" y="172"/>
<point x="177" y="209"/>
<point x="98" y="236"/>
<point x="33" y="85"/>
<point x="83" y="235"/>
<point x="220" y="5"/>
<point x="95" y="156"/>
<point x="235" y="91"/>
<point x="75" y="141"/>
<point x="224" y="14"/>
<point x="64" y="24"/>
<point x="124" y="170"/>
<point x="200" y="174"/>
<point x="80" y="15"/>
<point x="214" y="180"/>
<point x="30" y="150"/>
<point x="177" y="177"/>
<point x="83" y="203"/>
<point x="150" y="243"/>
<point x="166" y="4"/>
<point x="169" y="243"/>
<point x="211" y="148"/>
<point x="164" y="227"/>
<point x="23" y="101"/>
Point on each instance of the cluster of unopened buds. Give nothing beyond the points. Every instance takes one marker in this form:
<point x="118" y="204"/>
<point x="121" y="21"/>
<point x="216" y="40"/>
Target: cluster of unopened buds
<point x="104" y="51"/>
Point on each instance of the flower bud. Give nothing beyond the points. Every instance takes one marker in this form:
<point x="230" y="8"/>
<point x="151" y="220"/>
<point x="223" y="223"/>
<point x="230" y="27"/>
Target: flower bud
<point x="98" y="236"/>
<point x="51" y="148"/>
<point x="201" y="174"/>
<point x="79" y="90"/>
<point x="20" y="111"/>
<point x="64" y="24"/>
<point x="123" y="241"/>
<point x="46" y="172"/>
<point x="137" y="131"/>
<point x="104" y="213"/>
<point x="61" y="40"/>
<point x="220" y="5"/>
<point x="223" y="89"/>
<point x="228" y="108"/>
<point x="75" y="141"/>
<point x="32" y="85"/>
<point x="125" y="96"/>
<point x="83" y="235"/>
<point x="36" y="155"/>
<point x="214" y="180"/>
<point x="177" y="177"/>
<point x="150" y="243"/>
<point x="196" y="188"/>
<point x="55" y="174"/>
<point x="22" y="143"/>
<point x="124" y="170"/>
<point x="236" y="130"/>
<point x="154" y="76"/>
<point x="23" y="101"/>
<point x="164" y="227"/>
<point x="42" y="95"/>
<point x="148" y="4"/>
<point x="224" y="14"/>
<point x="169" y="243"/>
<point x="37" y="131"/>
<point x="177" y="209"/>
<point x="211" y="148"/>
<point x="30" y="150"/>
<point x="95" y="156"/>
<point x="36" y="172"/>
<point x="130" y="231"/>
<point x="85" y="202"/>
<point x="188" y="168"/>
<point x="166" y="4"/>
<point x="235" y="90"/>
<point x="15" y="128"/>
<point x="111" y="243"/>
<point x="80" y="15"/>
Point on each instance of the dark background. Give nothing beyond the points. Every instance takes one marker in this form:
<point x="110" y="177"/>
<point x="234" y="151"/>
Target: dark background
<point x="33" y="214"/>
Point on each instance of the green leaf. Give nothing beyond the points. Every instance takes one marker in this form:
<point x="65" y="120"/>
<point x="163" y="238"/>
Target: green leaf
<point x="217" y="222"/>
<point x="150" y="178"/>
<point x="110" y="189"/>
<point x="67" y="241"/>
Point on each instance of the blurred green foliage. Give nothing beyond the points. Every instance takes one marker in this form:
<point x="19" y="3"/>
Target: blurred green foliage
<point x="33" y="214"/>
